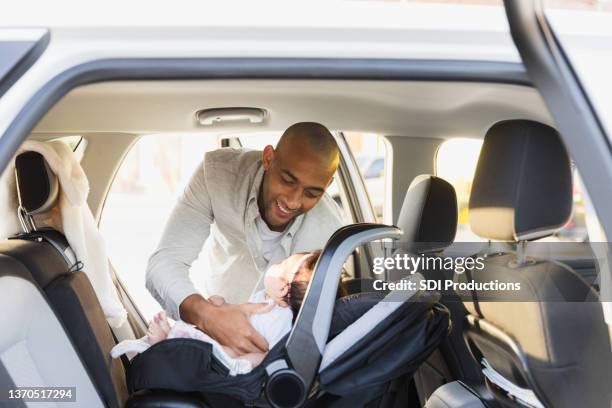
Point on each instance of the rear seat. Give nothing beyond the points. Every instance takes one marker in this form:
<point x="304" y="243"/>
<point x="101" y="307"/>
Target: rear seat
<point x="73" y="299"/>
<point x="68" y="290"/>
<point x="34" y="349"/>
<point x="43" y="260"/>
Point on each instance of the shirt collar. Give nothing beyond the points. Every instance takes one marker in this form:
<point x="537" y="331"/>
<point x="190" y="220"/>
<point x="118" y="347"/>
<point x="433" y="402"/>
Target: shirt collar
<point x="254" y="191"/>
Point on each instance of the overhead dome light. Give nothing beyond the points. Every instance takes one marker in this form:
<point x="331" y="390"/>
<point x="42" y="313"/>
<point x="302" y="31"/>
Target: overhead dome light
<point x="209" y="117"/>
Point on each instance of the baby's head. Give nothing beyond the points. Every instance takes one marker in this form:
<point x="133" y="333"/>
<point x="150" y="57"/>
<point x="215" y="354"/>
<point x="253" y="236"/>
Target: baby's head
<point x="286" y="283"/>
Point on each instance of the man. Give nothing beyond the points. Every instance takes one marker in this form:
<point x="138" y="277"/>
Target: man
<point x="248" y="210"/>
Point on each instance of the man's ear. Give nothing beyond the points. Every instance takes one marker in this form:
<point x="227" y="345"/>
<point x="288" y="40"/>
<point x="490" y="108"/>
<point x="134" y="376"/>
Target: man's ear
<point x="267" y="156"/>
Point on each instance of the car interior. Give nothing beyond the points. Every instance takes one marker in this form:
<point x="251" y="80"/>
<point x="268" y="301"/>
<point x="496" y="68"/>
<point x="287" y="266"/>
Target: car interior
<point x="62" y="337"/>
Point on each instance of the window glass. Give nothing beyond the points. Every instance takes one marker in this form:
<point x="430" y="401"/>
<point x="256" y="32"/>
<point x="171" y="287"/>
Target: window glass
<point x="456" y="162"/>
<point x="361" y="161"/>
<point x="584" y="30"/>
<point x="375" y="169"/>
<point x="370" y="154"/>
<point x="144" y="191"/>
<point x="258" y="141"/>
<point x="584" y="5"/>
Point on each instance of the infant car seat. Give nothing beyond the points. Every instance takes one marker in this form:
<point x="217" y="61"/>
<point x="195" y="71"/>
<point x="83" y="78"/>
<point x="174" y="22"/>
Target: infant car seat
<point x="339" y="353"/>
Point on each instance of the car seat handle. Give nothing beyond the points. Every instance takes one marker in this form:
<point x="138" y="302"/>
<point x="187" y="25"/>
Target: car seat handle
<point x="308" y="337"/>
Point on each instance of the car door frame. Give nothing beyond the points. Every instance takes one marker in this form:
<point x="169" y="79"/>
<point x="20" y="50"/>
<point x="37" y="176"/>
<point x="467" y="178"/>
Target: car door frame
<point x="166" y="68"/>
<point x="552" y="73"/>
<point x="20" y="48"/>
<point x="174" y="68"/>
<point x="360" y="204"/>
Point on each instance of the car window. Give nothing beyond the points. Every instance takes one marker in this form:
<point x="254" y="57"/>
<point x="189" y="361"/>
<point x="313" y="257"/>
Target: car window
<point x="144" y="191"/>
<point x="584" y="31"/>
<point x="375" y="169"/>
<point x="361" y="161"/>
<point x="456" y="162"/>
<point x="369" y="151"/>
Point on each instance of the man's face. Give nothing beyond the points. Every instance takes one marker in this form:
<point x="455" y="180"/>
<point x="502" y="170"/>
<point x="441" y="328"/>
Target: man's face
<point x="294" y="182"/>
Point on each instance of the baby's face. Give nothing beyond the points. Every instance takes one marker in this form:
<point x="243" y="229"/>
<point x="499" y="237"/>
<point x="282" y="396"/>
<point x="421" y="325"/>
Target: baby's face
<point x="279" y="277"/>
<point x="288" y="266"/>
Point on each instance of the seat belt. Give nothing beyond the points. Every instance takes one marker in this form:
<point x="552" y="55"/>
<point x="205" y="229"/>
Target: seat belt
<point x="7" y="384"/>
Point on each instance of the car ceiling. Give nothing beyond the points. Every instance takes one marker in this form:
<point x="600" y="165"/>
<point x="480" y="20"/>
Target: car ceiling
<point x="400" y="108"/>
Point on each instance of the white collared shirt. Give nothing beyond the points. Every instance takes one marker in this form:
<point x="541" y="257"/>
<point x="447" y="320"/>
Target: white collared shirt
<point x="270" y="240"/>
<point x="217" y="214"/>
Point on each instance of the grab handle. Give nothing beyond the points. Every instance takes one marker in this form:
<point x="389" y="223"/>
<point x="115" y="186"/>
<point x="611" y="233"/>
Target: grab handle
<point x="210" y="117"/>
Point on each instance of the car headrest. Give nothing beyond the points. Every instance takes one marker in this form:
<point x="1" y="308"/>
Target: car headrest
<point x="37" y="185"/>
<point x="429" y="213"/>
<point x="522" y="188"/>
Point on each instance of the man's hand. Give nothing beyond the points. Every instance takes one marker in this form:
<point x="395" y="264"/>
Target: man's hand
<point x="227" y="323"/>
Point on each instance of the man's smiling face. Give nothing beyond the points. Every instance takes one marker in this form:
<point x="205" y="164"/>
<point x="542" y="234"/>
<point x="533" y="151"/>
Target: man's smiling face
<point x="295" y="178"/>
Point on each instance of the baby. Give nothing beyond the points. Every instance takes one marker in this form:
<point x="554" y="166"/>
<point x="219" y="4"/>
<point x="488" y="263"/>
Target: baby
<point x="285" y="286"/>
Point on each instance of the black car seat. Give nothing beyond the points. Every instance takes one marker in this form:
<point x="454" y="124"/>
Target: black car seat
<point x="552" y="339"/>
<point x="34" y="348"/>
<point x="428" y="219"/>
<point x="43" y="257"/>
<point x="47" y="255"/>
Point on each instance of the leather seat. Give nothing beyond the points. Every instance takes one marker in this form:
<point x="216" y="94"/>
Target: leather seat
<point x="34" y="348"/>
<point x="46" y="255"/>
<point x="428" y="219"/>
<point x="76" y="348"/>
<point x="552" y="339"/>
<point x="429" y="212"/>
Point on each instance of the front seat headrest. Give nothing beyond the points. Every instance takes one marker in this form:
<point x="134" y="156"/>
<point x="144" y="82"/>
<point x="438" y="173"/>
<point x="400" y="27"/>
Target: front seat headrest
<point x="37" y="185"/>
<point x="429" y="213"/>
<point x="522" y="188"/>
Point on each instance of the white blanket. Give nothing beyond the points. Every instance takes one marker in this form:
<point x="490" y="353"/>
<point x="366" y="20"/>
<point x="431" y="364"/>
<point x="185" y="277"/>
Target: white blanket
<point x="273" y="325"/>
<point x="77" y="222"/>
<point x="181" y="329"/>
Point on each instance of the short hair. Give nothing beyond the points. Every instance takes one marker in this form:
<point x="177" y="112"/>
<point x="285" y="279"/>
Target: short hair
<point x="315" y="134"/>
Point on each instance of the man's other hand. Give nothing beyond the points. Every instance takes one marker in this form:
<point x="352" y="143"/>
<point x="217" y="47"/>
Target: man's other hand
<point x="227" y="323"/>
